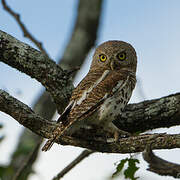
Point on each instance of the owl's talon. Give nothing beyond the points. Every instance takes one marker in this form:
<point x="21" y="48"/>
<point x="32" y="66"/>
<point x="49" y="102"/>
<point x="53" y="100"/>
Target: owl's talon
<point x="120" y="134"/>
<point x="116" y="136"/>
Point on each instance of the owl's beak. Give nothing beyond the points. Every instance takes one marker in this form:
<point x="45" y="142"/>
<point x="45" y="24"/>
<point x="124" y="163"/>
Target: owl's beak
<point x="112" y="64"/>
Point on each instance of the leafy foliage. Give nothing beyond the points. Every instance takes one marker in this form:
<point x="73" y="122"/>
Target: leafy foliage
<point x="131" y="169"/>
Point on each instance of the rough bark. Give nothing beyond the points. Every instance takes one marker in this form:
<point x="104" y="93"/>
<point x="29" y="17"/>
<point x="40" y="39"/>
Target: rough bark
<point x="37" y="65"/>
<point x="147" y="115"/>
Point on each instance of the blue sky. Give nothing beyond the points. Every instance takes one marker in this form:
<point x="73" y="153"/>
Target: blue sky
<point x="152" y="27"/>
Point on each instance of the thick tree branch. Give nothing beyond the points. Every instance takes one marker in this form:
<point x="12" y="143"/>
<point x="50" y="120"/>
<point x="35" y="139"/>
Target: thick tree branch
<point x="126" y="145"/>
<point x="151" y="114"/>
<point x="37" y="65"/>
<point x="25" y="116"/>
<point x="160" y="166"/>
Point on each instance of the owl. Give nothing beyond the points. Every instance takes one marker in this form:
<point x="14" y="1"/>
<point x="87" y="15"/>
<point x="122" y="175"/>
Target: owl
<point x="104" y="92"/>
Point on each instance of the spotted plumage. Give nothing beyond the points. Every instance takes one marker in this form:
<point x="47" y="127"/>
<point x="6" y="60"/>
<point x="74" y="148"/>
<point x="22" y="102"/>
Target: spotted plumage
<point x="103" y="93"/>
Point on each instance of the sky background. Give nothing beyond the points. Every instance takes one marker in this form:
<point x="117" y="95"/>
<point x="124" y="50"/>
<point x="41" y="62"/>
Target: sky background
<point x="152" y="27"/>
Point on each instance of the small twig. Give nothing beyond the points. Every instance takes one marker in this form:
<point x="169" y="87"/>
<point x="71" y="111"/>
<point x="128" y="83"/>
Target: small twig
<point x="76" y="161"/>
<point x="27" y="161"/>
<point x="160" y="166"/>
<point x="27" y="34"/>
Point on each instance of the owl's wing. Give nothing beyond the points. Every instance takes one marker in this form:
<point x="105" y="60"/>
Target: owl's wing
<point x="92" y="100"/>
<point x="65" y="113"/>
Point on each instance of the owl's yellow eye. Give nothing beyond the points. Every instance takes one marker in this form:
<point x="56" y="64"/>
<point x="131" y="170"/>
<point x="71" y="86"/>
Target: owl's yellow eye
<point x="102" y="57"/>
<point x="121" y="56"/>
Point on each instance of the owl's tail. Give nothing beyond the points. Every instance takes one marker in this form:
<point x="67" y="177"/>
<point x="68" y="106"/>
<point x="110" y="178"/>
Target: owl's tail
<point x="48" y="145"/>
<point x="56" y="134"/>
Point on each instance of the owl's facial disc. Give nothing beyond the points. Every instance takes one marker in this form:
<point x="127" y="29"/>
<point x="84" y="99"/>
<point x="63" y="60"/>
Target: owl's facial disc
<point x="114" y="55"/>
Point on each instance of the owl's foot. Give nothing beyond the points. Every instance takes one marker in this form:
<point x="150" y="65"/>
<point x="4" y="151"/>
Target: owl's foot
<point x="117" y="133"/>
<point x="120" y="134"/>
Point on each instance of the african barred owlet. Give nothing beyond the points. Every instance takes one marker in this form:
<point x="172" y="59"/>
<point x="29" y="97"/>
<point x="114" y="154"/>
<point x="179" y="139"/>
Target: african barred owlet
<point x="102" y="95"/>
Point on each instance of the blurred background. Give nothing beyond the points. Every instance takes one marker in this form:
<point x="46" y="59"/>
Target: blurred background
<point x="152" y="27"/>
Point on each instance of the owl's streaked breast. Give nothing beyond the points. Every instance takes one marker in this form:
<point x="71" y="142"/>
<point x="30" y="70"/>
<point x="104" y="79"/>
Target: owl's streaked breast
<point x="114" y="105"/>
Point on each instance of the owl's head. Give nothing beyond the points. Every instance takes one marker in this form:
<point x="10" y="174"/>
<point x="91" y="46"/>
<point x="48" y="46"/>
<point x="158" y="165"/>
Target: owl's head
<point x="115" y="55"/>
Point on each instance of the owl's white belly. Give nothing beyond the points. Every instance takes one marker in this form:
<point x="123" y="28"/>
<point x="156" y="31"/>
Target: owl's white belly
<point x="114" y="105"/>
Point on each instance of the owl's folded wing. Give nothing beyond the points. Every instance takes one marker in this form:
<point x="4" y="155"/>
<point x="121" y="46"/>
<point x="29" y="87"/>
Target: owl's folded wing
<point x="92" y="99"/>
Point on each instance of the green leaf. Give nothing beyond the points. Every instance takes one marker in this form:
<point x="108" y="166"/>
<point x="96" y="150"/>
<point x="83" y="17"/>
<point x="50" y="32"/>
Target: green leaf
<point x="120" y="167"/>
<point x="131" y="170"/>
